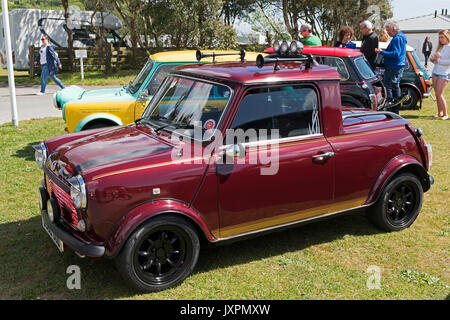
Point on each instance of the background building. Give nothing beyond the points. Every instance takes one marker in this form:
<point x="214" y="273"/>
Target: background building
<point x="416" y="29"/>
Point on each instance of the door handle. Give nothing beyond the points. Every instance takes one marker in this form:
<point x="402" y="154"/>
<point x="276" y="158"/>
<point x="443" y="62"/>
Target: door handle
<point x="322" y="157"/>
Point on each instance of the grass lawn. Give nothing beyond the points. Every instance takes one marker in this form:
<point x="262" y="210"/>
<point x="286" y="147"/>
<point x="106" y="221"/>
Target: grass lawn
<point x="91" y="78"/>
<point x="324" y="260"/>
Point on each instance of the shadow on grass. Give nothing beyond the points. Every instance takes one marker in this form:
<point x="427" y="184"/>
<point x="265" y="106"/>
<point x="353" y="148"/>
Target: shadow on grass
<point x="33" y="268"/>
<point x="27" y="152"/>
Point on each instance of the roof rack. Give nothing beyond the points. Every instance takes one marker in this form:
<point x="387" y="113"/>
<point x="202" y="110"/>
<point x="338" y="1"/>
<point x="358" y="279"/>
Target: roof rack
<point x="200" y="55"/>
<point x="307" y="59"/>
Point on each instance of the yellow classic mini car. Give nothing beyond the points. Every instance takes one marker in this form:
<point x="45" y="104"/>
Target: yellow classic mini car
<point x="83" y="109"/>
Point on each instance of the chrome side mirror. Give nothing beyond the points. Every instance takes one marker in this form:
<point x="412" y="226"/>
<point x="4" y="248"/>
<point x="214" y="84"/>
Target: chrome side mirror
<point x="233" y="151"/>
<point x="143" y="95"/>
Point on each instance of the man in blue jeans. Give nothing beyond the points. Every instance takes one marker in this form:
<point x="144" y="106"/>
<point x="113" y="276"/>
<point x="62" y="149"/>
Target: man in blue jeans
<point x="394" y="63"/>
<point x="49" y="64"/>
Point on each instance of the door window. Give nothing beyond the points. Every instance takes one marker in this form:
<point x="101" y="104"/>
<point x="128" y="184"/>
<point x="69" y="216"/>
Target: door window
<point x="292" y="110"/>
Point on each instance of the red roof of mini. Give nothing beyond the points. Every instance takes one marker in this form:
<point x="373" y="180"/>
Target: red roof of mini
<point x="248" y="72"/>
<point x="328" y="51"/>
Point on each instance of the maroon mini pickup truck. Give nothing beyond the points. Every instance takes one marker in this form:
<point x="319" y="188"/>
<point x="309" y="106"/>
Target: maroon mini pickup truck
<point x="224" y="151"/>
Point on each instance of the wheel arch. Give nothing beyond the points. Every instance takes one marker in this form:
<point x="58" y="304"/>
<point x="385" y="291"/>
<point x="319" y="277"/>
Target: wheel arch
<point x="397" y="166"/>
<point x="145" y="212"/>
<point x="98" y="117"/>
<point x="349" y="99"/>
<point x="415" y="88"/>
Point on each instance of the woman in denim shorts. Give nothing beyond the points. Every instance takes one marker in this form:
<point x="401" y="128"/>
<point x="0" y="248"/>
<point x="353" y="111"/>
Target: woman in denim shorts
<point x="441" y="72"/>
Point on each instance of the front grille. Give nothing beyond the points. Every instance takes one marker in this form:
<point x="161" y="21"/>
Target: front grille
<point x="67" y="209"/>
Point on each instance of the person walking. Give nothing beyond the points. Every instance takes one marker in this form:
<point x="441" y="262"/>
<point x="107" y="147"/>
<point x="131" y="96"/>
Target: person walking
<point x="427" y="47"/>
<point x="369" y="42"/>
<point x="308" y="39"/>
<point x="345" y="36"/>
<point x="49" y="64"/>
<point x="441" y="72"/>
<point x="394" y="63"/>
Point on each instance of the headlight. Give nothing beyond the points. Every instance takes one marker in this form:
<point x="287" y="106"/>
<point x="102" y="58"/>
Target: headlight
<point x="78" y="192"/>
<point x="40" y="154"/>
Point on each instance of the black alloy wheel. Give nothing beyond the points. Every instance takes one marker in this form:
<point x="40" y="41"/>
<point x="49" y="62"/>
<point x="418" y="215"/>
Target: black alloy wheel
<point x="399" y="203"/>
<point x="160" y="254"/>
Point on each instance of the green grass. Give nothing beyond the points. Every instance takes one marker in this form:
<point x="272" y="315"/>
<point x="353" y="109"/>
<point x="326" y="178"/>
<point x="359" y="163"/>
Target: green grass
<point x="324" y="260"/>
<point x="91" y="78"/>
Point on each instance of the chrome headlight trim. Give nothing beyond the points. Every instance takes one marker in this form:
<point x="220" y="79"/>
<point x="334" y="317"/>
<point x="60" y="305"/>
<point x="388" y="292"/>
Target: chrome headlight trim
<point x="40" y="154"/>
<point x="78" y="192"/>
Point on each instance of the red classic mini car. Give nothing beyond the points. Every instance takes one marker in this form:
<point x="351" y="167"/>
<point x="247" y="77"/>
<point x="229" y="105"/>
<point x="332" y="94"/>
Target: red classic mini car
<point x="223" y="151"/>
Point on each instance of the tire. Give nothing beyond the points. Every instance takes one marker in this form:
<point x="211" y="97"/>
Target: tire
<point x="160" y="254"/>
<point x="399" y="203"/>
<point x="411" y="103"/>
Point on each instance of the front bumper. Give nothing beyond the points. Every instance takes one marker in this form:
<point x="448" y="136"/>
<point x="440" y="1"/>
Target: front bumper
<point x="72" y="242"/>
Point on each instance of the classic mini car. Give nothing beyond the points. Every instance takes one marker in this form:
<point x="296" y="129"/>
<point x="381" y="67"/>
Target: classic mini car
<point x="275" y="151"/>
<point x="415" y="81"/>
<point x="83" y="110"/>
<point x="360" y="87"/>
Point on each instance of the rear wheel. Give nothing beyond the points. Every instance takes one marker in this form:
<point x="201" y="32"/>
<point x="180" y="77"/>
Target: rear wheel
<point x="399" y="203"/>
<point x="411" y="103"/>
<point x="160" y="254"/>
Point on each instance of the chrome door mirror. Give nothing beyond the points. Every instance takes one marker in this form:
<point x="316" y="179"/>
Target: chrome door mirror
<point x="233" y="151"/>
<point x="143" y="96"/>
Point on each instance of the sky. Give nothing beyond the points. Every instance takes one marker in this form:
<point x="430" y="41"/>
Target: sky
<point x="404" y="9"/>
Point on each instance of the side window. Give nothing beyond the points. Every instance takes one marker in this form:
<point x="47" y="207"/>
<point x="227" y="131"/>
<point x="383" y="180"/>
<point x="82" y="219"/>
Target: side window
<point x="159" y="77"/>
<point x="293" y="110"/>
<point x="407" y="64"/>
<point x="335" y="62"/>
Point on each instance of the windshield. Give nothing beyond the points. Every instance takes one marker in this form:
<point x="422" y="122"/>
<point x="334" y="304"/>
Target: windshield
<point x="419" y="65"/>
<point x="140" y="78"/>
<point x="364" y="68"/>
<point x="188" y="103"/>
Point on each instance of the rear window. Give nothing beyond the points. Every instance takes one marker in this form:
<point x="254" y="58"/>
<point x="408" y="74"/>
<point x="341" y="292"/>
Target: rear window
<point x="364" y="68"/>
<point x="364" y="119"/>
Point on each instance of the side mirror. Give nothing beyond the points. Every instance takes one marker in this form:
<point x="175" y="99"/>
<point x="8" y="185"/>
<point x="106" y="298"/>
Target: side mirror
<point x="233" y="151"/>
<point x="143" y="95"/>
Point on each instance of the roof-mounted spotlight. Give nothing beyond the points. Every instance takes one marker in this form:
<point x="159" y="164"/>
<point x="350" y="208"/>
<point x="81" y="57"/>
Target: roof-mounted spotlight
<point x="296" y="47"/>
<point x="306" y="60"/>
<point x="276" y="45"/>
<point x="284" y="48"/>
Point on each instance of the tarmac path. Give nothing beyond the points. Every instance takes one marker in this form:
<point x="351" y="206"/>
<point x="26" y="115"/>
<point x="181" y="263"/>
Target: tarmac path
<point x="30" y="105"/>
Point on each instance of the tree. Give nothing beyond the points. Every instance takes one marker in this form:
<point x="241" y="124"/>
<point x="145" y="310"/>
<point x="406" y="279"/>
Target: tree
<point x="65" y="4"/>
<point x="327" y="17"/>
<point x="232" y="9"/>
<point x="264" y="20"/>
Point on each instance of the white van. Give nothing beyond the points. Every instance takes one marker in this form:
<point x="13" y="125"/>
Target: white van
<point x="28" y="25"/>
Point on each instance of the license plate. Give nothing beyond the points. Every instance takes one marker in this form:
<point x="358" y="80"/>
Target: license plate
<point x="59" y="244"/>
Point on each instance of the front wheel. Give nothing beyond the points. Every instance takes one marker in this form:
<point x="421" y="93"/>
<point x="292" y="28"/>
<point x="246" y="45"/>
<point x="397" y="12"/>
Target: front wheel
<point x="160" y="254"/>
<point x="399" y="203"/>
